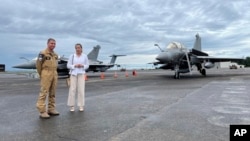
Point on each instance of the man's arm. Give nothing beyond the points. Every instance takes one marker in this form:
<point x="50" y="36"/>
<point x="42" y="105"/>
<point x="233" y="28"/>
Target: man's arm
<point x="39" y="62"/>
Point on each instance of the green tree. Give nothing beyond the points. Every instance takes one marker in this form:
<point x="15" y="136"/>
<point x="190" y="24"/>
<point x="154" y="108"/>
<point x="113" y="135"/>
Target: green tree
<point x="247" y="62"/>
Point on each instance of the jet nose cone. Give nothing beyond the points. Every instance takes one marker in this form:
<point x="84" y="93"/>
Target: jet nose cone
<point x="164" y="57"/>
<point x="30" y="65"/>
<point x="18" y="66"/>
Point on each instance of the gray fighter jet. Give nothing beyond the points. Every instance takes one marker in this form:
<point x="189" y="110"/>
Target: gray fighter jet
<point x="178" y="58"/>
<point x="94" y="64"/>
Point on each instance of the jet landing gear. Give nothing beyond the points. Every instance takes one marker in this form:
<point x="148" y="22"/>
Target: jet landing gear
<point x="177" y="75"/>
<point x="203" y="72"/>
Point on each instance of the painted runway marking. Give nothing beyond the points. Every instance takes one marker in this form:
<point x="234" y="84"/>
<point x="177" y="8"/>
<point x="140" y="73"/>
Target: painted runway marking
<point x="232" y="105"/>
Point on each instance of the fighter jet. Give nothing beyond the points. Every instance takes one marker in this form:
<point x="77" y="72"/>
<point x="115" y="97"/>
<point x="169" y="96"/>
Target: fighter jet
<point x="94" y="64"/>
<point x="178" y="58"/>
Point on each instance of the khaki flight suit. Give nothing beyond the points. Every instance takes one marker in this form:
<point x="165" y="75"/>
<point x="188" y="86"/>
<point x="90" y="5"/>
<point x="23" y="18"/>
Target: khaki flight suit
<point x="47" y="69"/>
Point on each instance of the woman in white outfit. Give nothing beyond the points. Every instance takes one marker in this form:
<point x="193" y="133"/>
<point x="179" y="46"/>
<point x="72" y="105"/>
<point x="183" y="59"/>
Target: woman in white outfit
<point x="77" y="63"/>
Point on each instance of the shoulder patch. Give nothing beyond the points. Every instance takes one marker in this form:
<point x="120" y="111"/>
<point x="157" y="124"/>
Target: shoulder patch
<point x="40" y="57"/>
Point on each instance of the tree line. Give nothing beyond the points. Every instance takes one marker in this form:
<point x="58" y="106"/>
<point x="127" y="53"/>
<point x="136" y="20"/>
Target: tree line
<point x="245" y="62"/>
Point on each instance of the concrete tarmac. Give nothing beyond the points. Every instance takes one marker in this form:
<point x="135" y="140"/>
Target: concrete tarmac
<point x="152" y="106"/>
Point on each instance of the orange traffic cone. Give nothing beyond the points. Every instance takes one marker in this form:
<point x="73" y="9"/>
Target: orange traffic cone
<point x="86" y="77"/>
<point x="134" y="73"/>
<point x="126" y="73"/>
<point x="102" y="75"/>
<point x="115" y="75"/>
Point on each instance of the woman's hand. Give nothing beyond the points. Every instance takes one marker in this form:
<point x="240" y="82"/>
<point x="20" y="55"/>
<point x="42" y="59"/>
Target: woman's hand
<point x="78" y="65"/>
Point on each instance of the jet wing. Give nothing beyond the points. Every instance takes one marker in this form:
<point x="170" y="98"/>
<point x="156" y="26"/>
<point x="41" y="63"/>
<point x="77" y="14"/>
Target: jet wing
<point x="217" y="59"/>
<point x="156" y="63"/>
<point x="101" y="65"/>
<point x="63" y="59"/>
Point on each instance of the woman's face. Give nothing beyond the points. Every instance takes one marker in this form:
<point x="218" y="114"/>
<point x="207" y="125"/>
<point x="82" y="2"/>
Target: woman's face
<point x="78" y="49"/>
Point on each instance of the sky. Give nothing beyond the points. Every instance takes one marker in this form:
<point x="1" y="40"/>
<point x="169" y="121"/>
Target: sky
<point x="129" y="27"/>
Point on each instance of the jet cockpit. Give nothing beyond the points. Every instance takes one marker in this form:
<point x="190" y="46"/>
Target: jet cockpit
<point x="175" y="45"/>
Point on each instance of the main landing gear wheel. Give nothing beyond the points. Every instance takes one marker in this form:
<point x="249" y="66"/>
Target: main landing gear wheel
<point x="203" y="72"/>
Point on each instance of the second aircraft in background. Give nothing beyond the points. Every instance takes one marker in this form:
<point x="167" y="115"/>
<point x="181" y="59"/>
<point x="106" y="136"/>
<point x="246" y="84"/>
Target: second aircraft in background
<point x="94" y="64"/>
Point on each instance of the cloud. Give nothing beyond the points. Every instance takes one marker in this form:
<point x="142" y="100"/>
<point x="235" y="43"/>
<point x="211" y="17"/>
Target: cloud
<point x="122" y="27"/>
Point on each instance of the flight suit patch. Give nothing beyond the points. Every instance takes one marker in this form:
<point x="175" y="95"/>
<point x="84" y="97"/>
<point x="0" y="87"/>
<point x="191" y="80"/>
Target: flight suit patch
<point x="47" y="58"/>
<point x="40" y="57"/>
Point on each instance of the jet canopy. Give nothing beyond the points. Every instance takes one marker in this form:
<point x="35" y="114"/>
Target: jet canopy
<point x="175" y="45"/>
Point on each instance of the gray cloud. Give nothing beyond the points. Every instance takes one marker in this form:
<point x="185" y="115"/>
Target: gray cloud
<point x="124" y="27"/>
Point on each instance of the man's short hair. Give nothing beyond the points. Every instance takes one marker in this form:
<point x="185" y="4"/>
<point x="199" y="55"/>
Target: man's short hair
<point x="50" y="39"/>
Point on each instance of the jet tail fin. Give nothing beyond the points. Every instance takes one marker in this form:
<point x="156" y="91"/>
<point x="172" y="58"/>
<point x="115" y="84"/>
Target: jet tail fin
<point x="197" y="47"/>
<point x="94" y="53"/>
<point x="113" y="59"/>
<point x="197" y="43"/>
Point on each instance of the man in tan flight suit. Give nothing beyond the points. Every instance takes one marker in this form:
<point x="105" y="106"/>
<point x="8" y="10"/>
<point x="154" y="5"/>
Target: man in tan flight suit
<point x="46" y="66"/>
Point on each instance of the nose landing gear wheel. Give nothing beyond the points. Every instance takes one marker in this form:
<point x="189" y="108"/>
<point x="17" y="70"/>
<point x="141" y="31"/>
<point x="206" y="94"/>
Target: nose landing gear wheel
<point x="177" y="75"/>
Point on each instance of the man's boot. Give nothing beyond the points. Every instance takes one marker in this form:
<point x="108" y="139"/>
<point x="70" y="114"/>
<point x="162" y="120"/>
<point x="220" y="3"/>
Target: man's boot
<point x="44" y="115"/>
<point x="53" y="113"/>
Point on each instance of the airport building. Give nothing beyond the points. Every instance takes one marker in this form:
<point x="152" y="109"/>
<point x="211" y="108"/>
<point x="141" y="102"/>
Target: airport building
<point x="2" y="67"/>
<point x="230" y="65"/>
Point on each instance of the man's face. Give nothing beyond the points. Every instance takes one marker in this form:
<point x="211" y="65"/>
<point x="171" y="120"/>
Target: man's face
<point x="51" y="45"/>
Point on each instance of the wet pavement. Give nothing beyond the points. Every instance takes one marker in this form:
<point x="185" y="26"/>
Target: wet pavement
<point x="151" y="106"/>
